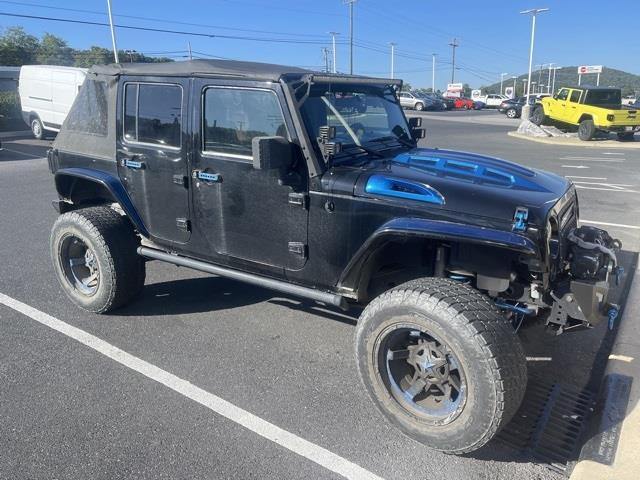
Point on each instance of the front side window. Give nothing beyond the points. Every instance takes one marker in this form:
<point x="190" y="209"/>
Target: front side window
<point x="234" y="116"/>
<point x="153" y="114"/>
<point x="564" y="93"/>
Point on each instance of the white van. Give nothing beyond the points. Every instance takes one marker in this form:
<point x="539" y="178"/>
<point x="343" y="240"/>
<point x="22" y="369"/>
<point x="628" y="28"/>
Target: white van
<point x="46" y="94"/>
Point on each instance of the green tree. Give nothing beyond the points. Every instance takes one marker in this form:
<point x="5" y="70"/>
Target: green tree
<point x="94" y="56"/>
<point x="17" y="47"/>
<point x="54" y="51"/>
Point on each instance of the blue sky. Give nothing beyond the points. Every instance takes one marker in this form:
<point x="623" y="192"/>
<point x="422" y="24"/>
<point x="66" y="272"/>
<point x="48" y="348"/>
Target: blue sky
<point x="493" y="37"/>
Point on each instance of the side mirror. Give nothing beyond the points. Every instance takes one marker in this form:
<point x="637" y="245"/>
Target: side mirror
<point x="418" y="133"/>
<point x="272" y="153"/>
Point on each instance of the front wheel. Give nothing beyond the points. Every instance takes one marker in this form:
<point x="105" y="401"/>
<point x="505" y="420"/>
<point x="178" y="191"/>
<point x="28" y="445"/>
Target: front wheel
<point x="94" y="257"/>
<point x="441" y="363"/>
<point x="419" y="107"/>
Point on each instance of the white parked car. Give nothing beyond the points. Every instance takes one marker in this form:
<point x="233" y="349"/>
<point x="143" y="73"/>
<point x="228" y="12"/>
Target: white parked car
<point x="629" y="100"/>
<point x="492" y="100"/>
<point x="46" y="95"/>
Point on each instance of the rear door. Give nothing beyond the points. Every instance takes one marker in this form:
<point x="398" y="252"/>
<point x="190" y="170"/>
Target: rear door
<point x="152" y="154"/>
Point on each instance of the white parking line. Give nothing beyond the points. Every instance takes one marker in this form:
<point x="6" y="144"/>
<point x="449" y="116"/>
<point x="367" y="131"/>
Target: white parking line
<point x="586" y="178"/>
<point x="607" y="224"/>
<point x="575" y="166"/>
<point x="288" y="440"/>
<point x="593" y="159"/>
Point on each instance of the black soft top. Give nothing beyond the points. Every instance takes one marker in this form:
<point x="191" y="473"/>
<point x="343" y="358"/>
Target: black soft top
<point x="224" y="68"/>
<point x="591" y="87"/>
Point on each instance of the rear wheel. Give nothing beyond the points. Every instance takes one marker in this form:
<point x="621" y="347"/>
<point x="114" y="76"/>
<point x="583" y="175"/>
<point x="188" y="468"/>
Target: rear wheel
<point x="441" y="363"/>
<point x="512" y="113"/>
<point x="625" y="136"/>
<point x="586" y="130"/>
<point x="94" y="257"/>
<point x="37" y="129"/>
<point x="419" y="107"/>
<point x="538" y="117"/>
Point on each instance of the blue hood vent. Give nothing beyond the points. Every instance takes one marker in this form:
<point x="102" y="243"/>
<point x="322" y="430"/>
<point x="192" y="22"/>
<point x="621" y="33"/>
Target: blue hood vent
<point x="471" y="168"/>
<point x="402" y="188"/>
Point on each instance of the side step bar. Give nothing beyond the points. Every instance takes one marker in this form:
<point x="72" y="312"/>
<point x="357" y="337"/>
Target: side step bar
<point x="297" y="290"/>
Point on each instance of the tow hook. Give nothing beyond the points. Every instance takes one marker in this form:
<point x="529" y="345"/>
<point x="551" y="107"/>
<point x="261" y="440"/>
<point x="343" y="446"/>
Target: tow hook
<point x="612" y="313"/>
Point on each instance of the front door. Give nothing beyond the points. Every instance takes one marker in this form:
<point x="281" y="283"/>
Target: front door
<point x="240" y="213"/>
<point x="151" y="155"/>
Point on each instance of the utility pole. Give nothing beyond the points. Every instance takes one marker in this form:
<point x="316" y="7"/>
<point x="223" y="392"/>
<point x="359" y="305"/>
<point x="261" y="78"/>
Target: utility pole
<point x="553" y="81"/>
<point x="433" y="72"/>
<point x="350" y="3"/>
<point x="190" y="53"/>
<point x="393" y="51"/>
<point x="534" y="14"/>
<point x="540" y="74"/>
<point x="113" y="33"/>
<point x="453" y="46"/>
<point x="549" y="79"/>
<point x="333" y="49"/>
<point x="502" y="75"/>
<point x="514" y="86"/>
<point x="325" y="53"/>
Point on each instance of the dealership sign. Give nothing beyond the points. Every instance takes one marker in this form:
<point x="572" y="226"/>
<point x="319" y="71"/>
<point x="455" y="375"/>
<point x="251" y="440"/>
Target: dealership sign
<point x="585" y="69"/>
<point x="455" y="87"/>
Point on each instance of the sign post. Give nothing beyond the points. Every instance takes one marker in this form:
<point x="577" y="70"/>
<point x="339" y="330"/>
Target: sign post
<point x="587" y="69"/>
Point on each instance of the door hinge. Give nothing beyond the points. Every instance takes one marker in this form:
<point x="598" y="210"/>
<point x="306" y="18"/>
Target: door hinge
<point x="298" y="248"/>
<point x="183" y="224"/>
<point x="299" y="199"/>
<point x="180" y="180"/>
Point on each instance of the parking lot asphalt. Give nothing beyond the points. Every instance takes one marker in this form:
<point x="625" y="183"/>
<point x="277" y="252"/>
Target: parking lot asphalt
<point x="68" y="411"/>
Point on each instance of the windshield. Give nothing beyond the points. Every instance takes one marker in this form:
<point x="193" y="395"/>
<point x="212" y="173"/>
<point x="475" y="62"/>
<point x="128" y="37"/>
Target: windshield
<point x="361" y="115"/>
<point x="604" y="97"/>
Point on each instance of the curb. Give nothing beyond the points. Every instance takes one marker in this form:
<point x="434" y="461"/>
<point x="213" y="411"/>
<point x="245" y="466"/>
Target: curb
<point x="15" y="134"/>
<point x="570" y="142"/>
<point x="612" y="453"/>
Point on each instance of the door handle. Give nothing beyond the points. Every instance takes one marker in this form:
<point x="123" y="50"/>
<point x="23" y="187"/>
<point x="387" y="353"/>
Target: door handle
<point x="133" y="162"/>
<point x="207" y="176"/>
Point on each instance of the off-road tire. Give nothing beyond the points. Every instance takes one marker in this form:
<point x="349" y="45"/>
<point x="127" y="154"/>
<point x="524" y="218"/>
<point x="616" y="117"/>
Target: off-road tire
<point x="625" y="136"/>
<point x="419" y="107"/>
<point x="37" y="129"/>
<point x="538" y="117"/>
<point x="113" y="241"/>
<point x="511" y="113"/>
<point x="586" y="130"/>
<point x="483" y="340"/>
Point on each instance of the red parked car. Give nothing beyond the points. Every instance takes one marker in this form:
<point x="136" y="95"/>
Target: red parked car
<point x="464" y="102"/>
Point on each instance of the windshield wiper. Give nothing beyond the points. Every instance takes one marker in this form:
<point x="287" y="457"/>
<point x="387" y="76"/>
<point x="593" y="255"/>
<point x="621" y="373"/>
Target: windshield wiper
<point x="367" y="150"/>
<point x="402" y="141"/>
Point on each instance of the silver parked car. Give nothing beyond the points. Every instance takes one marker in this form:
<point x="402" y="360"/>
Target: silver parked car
<point x="412" y="100"/>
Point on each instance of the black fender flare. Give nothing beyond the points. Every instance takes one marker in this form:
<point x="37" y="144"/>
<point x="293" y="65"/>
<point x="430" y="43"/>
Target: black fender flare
<point x="433" y="230"/>
<point x="111" y="183"/>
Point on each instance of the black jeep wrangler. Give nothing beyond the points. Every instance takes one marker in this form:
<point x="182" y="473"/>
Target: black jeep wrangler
<point x="313" y="185"/>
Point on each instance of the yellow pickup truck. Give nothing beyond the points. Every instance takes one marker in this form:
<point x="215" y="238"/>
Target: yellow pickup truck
<point x="590" y="109"/>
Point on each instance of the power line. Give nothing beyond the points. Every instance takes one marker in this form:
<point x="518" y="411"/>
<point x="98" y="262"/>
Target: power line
<point x="161" y="30"/>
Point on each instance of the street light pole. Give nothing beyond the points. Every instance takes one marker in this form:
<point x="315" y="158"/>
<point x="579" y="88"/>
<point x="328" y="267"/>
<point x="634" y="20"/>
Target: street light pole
<point x="393" y="51"/>
<point x="453" y="46"/>
<point x="350" y="3"/>
<point x="113" y="33"/>
<point x="333" y="49"/>
<point x="433" y="72"/>
<point x="549" y="79"/>
<point x="534" y="13"/>
<point x="502" y="75"/>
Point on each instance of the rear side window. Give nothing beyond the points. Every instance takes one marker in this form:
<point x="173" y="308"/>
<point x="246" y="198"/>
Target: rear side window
<point x="575" y="96"/>
<point x="234" y="116"/>
<point x="153" y="114"/>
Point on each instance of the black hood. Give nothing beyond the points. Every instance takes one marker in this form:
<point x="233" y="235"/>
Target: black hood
<point x="465" y="183"/>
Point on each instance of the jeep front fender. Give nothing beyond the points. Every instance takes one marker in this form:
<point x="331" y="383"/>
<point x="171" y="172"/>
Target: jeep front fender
<point x="433" y="230"/>
<point x="64" y="180"/>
